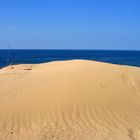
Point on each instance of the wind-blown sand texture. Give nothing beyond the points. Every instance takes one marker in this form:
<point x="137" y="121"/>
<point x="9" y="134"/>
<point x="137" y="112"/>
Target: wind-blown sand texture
<point x="70" y="100"/>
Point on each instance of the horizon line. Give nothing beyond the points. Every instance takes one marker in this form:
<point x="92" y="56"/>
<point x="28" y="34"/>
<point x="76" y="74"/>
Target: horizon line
<point x="73" y="49"/>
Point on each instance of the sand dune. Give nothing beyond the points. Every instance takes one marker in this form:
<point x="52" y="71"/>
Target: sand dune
<point x="70" y="100"/>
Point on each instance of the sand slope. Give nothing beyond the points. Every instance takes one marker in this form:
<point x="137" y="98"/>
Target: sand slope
<point x="70" y="100"/>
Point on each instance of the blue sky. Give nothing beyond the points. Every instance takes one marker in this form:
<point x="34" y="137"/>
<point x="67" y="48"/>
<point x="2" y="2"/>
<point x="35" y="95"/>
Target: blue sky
<point x="70" y="24"/>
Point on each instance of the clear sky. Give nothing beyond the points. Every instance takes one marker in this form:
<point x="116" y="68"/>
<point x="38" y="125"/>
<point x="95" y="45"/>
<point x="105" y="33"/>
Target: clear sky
<point x="70" y="24"/>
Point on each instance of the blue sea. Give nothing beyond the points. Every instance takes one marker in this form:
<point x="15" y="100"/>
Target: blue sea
<point x="7" y="57"/>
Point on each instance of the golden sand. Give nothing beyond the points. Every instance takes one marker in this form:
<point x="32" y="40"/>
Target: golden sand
<point x="70" y="100"/>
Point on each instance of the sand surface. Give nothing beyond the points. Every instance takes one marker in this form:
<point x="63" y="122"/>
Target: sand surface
<point x="70" y="100"/>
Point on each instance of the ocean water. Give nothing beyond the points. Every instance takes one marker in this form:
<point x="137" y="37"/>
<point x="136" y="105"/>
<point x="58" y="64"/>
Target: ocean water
<point x="7" y="57"/>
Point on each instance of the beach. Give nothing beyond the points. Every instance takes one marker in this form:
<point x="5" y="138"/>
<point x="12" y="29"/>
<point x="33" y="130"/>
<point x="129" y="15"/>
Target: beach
<point x="70" y="100"/>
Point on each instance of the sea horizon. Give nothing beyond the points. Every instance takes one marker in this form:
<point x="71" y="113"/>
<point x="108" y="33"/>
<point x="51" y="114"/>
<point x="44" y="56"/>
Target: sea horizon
<point x="71" y="49"/>
<point x="35" y="56"/>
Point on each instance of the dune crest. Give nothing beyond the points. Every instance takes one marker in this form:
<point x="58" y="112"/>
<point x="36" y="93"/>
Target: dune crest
<point x="70" y="100"/>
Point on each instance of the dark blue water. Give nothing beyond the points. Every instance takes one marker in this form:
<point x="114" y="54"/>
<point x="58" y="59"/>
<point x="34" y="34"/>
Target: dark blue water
<point x="7" y="57"/>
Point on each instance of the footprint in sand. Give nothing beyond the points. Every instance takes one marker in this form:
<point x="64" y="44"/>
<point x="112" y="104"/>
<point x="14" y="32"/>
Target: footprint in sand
<point x="134" y="134"/>
<point x="130" y="81"/>
<point x="131" y="134"/>
<point x="127" y="79"/>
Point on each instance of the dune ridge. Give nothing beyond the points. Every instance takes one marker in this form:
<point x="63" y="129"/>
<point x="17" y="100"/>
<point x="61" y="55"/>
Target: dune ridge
<point x="70" y="100"/>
